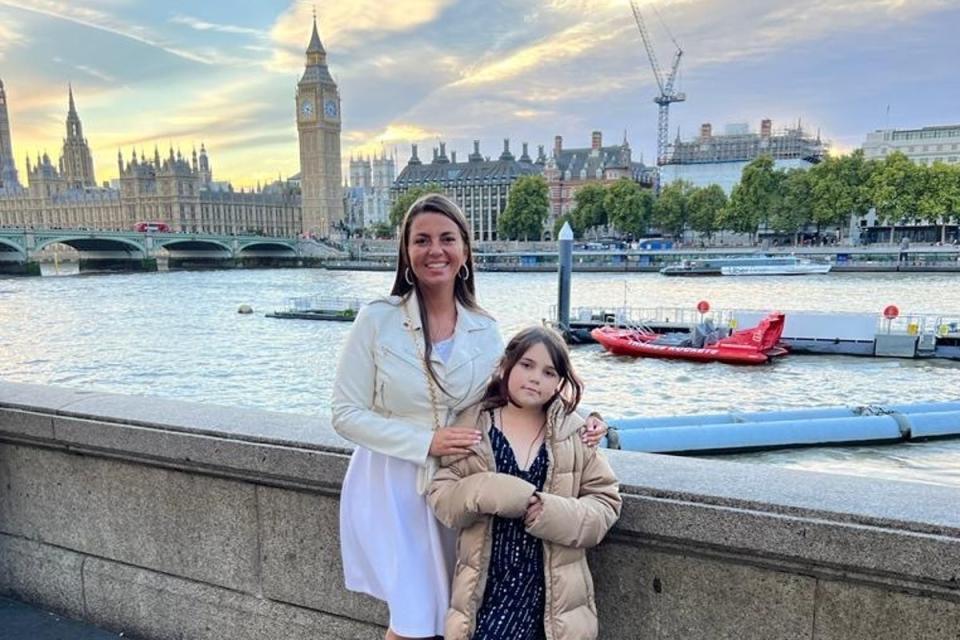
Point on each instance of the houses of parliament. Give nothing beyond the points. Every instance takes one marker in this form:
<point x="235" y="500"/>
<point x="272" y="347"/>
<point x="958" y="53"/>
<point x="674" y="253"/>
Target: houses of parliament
<point x="179" y="190"/>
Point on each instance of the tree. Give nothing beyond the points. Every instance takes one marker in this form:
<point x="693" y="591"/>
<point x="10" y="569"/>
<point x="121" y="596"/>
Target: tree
<point x="753" y="198"/>
<point x="527" y="207"/>
<point x="706" y="208"/>
<point x="382" y="230"/>
<point x="629" y="207"/>
<point x="793" y="208"/>
<point x="839" y="189"/>
<point x="940" y="195"/>
<point x="895" y="189"/>
<point x="672" y="208"/>
<point x="403" y="202"/>
<point x="589" y="211"/>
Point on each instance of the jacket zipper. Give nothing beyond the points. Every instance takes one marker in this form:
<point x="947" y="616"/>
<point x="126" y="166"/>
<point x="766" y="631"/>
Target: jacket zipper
<point x="548" y="621"/>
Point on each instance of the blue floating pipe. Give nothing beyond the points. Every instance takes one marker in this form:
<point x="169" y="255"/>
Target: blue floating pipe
<point x="761" y="435"/>
<point x="934" y="425"/>
<point x="732" y="432"/>
<point x="626" y="424"/>
<point x="924" y="407"/>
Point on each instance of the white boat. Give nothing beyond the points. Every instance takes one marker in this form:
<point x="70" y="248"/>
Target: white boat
<point x="774" y="266"/>
<point x="751" y="265"/>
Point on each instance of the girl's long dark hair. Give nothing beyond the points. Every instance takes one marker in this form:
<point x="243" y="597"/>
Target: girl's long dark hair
<point x="570" y="389"/>
<point x="464" y="289"/>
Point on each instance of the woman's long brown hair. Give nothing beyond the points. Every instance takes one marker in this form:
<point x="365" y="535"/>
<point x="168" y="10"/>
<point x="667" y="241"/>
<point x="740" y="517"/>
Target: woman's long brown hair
<point x="464" y="289"/>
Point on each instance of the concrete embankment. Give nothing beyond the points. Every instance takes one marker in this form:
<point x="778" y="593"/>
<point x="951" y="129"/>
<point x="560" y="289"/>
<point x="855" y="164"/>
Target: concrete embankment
<point x="166" y="519"/>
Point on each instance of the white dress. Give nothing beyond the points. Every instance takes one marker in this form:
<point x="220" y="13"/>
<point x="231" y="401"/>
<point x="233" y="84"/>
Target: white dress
<point x="379" y="494"/>
<point x="393" y="548"/>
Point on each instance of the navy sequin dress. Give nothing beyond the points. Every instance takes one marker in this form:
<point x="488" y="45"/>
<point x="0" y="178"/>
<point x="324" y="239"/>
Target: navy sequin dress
<point x="513" y="600"/>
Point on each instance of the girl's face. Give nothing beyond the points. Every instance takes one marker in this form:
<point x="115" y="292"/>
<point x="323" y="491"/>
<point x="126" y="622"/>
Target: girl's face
<point x="435" y="249"/>
<point x="533" y="379"/>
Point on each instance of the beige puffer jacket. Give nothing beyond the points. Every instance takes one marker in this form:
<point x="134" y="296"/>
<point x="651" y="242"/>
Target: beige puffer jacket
<point x="581" y="501"/>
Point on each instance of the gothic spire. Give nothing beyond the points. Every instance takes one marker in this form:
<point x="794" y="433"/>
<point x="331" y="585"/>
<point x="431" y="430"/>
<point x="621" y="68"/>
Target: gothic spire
<point x="73" y="107"/>
<point x="315" y="45"/>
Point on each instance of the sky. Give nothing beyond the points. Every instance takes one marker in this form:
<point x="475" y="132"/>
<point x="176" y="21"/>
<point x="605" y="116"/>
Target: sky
<point x="178" y="73"/>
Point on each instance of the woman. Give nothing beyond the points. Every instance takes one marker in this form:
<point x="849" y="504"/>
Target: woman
<point x="411" y="363"/>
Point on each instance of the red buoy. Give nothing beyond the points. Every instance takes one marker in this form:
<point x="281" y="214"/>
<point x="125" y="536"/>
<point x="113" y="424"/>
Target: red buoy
<point x="891" y="312"/>
<point x="703" y="306"/>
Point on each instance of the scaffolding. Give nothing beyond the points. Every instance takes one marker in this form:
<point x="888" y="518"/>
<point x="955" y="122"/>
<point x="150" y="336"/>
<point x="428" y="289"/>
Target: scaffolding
<point x="783" y="144"/>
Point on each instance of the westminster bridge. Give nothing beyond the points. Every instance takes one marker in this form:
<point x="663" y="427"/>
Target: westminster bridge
<point x="101" y="250"/>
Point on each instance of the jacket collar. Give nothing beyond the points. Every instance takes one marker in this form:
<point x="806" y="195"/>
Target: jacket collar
<point x="560" y="426"/>
<point x="468" y="321"/>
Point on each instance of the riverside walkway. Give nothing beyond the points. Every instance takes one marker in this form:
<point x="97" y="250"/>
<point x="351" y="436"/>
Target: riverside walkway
<point x="23" y="622"/>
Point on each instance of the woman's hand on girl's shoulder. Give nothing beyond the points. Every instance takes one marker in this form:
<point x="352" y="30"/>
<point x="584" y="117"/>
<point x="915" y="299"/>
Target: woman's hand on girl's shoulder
<point x="453" y="441"/>
<point x="593" y="431"/>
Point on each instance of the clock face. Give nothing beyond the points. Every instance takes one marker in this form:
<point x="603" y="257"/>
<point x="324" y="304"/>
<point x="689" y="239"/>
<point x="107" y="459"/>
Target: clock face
<point x="306" y="108"/>
<point x="330" y="108"/>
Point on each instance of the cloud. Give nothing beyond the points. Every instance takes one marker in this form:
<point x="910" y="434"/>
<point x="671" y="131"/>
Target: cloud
<point x="100" y="20"/>
<point x="10" y="36"/>
<point x="557" y="49"/>
<point x="757" y="28"/>
<point x="87" y="69"/>
<point x="392" y="134"/>
<point x="346" y="25"/>
<point x="201" y="25"/>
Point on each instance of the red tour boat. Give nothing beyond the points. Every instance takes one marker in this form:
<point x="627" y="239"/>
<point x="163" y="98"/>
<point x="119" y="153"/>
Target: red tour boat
<point x="755" y="345"/>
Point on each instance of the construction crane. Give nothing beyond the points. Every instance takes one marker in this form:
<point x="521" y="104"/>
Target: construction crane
<point x="667" y="92"/>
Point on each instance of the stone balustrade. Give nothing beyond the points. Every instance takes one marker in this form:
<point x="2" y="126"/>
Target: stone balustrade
<point x="165" y="519"/>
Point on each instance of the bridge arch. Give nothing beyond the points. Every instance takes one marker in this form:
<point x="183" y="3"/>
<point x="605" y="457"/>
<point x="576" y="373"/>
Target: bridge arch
<point x="9" y="246"/>
<point x="87" y="243"/>
<point x="276" y="247"/>
<point x="192" y="244"/>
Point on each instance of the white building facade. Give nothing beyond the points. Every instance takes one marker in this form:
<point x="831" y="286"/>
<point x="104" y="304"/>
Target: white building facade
<point x="923" y="146"/>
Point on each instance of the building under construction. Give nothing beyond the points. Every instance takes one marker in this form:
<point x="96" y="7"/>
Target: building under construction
<point x="720" y="159"/>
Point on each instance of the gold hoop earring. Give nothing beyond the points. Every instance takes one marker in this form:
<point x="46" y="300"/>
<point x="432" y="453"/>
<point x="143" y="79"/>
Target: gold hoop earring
<point x="464" y="271"/>
<point x="407" y="276"/>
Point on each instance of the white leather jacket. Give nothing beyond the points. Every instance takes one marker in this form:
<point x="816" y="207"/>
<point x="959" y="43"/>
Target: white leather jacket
<point x="381" y="400"/>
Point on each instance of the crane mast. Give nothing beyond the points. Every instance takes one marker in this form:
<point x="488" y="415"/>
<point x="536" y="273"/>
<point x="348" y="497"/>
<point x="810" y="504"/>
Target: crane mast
<point x="667" y="93"/>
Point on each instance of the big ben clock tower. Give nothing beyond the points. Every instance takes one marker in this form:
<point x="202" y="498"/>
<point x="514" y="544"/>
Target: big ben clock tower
<point x="318" y="127"/>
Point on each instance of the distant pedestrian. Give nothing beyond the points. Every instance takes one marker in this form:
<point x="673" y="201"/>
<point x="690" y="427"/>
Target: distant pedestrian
<point x="904" y="248"/>
<point x="529" y="499"/>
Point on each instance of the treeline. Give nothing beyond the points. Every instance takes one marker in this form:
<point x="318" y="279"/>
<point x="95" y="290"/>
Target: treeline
<point x="785" y="201"/>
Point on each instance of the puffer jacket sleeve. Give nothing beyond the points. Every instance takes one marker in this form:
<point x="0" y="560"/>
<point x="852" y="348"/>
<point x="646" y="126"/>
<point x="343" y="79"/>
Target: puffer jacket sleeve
<point x="582" y="521"/>
<point x="353" y="397"/>
<point x="459" y="497"/>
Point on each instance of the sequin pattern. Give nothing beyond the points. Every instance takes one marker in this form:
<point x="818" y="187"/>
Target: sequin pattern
<point x="513" y="601"/>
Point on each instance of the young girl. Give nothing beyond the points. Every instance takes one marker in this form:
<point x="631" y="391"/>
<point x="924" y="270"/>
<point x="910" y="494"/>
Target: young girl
<point x="529" y="499"/>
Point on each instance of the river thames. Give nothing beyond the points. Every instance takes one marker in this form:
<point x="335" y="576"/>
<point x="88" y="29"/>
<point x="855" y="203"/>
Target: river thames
<point x="178" y="334"/>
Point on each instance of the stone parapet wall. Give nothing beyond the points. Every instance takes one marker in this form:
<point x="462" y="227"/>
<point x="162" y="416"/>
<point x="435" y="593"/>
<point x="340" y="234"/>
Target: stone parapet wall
<point x="165" y="519"/>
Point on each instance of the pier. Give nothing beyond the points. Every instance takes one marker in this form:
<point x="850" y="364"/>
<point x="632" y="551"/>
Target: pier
<point x="807" y="332"/>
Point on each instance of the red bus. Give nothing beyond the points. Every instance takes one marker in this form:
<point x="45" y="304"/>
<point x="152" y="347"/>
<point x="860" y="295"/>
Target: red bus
<point x="143" y="227"/>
